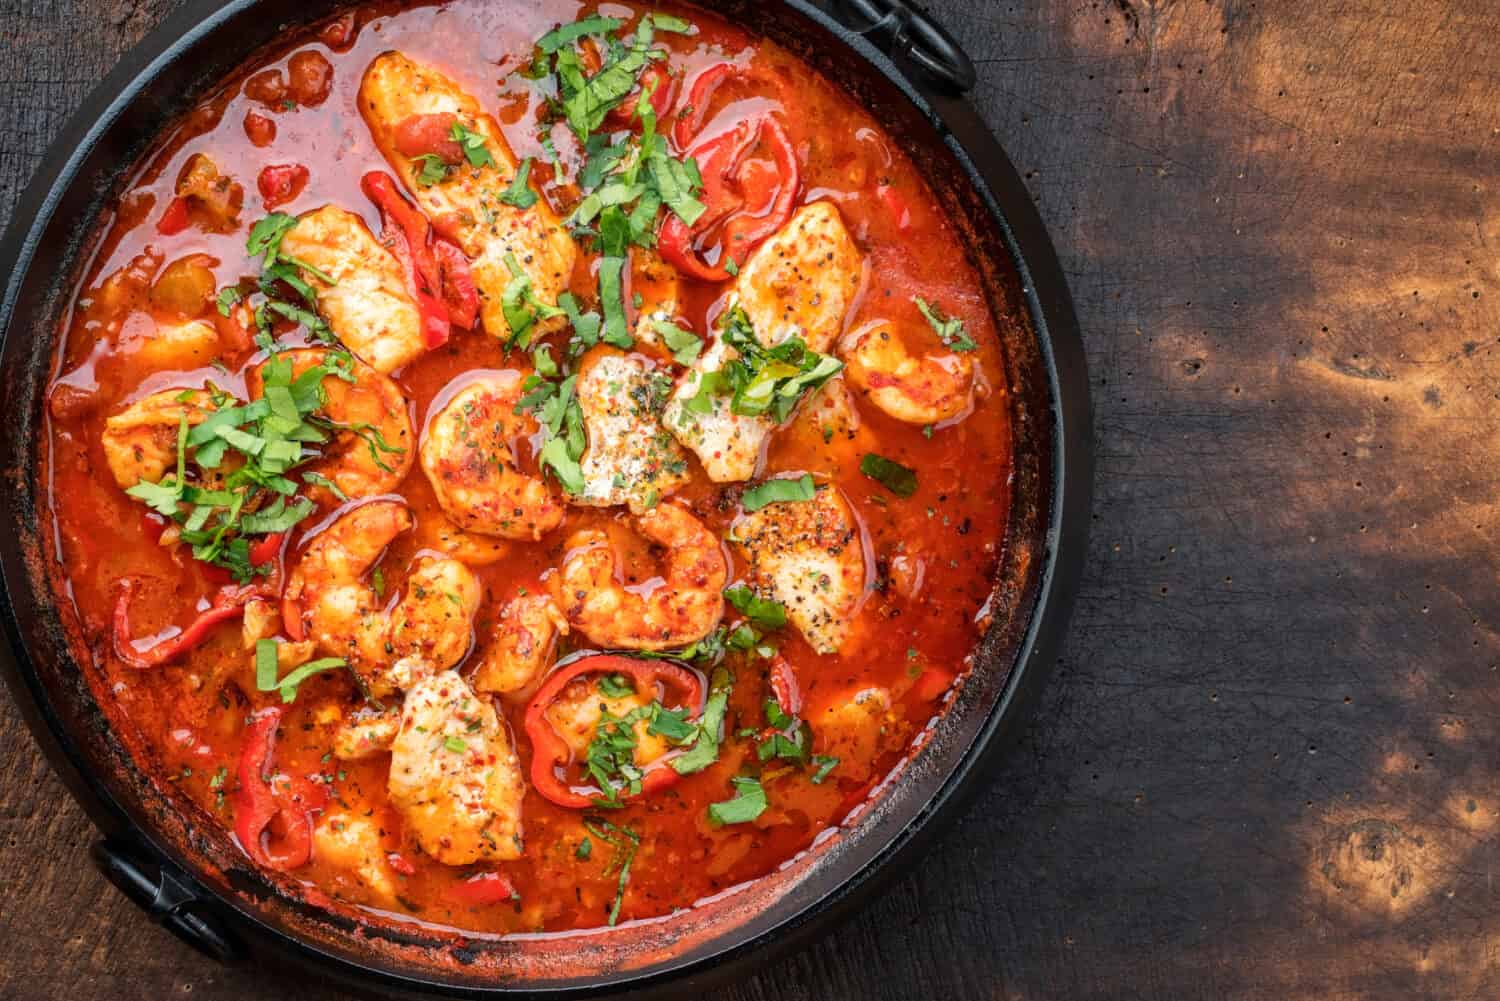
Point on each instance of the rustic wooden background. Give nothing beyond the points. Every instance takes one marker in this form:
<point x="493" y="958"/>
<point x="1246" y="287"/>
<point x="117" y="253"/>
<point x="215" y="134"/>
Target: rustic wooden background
<point x="1266" y="768"/>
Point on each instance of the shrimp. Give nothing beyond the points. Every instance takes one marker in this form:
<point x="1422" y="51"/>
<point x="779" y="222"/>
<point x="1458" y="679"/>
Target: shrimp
<point x="176" y="347"/>
<point x="466" y="454"/>
<point x="366" y="733"/>
<point x="140" y="442"/>
<point x="370" y="452"/>
<point x="455" y="776"/>
<point x="808" y="556"/>
<point x="521" y="647"/>
<point x="367" y="306"/>
<point x="799" y="283"/>
<point x="630" y="459"/>
<point x="353" y="843"/>
<point x="430" y="628"/>
<point x="438" y="533"/>
<point x="926" y="390"/>
<point x="410" y="109"/>
<point x="656" y="614"/>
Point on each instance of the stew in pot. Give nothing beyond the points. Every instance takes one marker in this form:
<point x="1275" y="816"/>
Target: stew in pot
<point x="527" y="466"/>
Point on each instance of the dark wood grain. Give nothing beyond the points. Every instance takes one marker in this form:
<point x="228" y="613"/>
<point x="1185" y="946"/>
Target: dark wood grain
<point x="1266" y="768"/>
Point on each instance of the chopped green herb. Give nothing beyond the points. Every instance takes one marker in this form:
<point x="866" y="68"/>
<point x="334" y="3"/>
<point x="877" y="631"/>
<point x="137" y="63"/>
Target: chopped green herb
<point x="763" y="612"/>
<point x="289" y="684"/>
<point x="456" y="744"/>
<point x="585" y="849"/>
<point x="825" y="765"/>
<point x="684" y="344"/>
<point x="472" y="143"/>
<point x="705" y="750"/>
<point x="519" y="194"/>
<point x="779" y="491"/>
<point x="949" y="328"/>
<point x="434" y="169"/>
<point x="616" y="686"/>
<point x="748" y="803"/>
<point x="895" y="477"/>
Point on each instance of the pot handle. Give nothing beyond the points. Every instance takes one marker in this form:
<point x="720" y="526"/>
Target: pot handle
<point x="166" y="896"/>
<point x="901" y="27"/>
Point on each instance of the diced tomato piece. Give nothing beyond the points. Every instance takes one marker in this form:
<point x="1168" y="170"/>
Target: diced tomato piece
<point x="784" y="686"/>
<point x="175" y="219"/>
<point x="280" y="183"/>
<point x="338" y="34"/>
<point x="895" y="204"/>
<point x="260" y="130"/>
<point x="483" y="889"/>
<point x="267" y="87"/>
<point x="424" y="135"/>
<point x="933" y="684"/>
<point x="309" y="78"/>
<point x="459" y="293"/>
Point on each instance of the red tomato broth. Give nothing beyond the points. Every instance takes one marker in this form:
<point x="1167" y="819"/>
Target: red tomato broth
<point x="934" y="554"/>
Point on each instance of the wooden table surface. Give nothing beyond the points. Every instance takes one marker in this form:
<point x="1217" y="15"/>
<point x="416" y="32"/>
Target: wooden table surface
<point x="1266" y="766"/>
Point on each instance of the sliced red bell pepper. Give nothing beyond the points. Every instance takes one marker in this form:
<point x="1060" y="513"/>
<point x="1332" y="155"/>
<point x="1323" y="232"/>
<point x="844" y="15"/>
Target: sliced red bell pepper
<point x="406" y="232"/>
<point x="280" y="183"/>
<point x="274" y="826"/>
<point x="483" y="889"/>
<point x="744" y="232"/>
<point x="933" y="683"/>
<point x="695" y="111"/>
<point x="225" y="606"/>
<point x="175" y="219"/>
<point x="623" y="116"/>
<point x="549" y="752"/>
<point x="291" y="619"/>
<point x="736" y="193"/>
<point x="267" y="549"/>
<point x="784" y="687"/>
<point x="895" y="204"/>
<point x="459" y="294"/>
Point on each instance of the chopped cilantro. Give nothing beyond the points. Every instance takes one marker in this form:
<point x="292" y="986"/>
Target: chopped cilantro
<point x="779" y="491"/>
<point x="896" y="478"/>
<point x="748" y="803"/>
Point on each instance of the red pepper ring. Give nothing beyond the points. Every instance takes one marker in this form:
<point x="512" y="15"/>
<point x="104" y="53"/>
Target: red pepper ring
<point x="784" y="687"/>
<point x="227" y="604"/>
<point x="259" y="810"/>
<point x="549" y="750"/>
<point x="720" y="159"/>
<point x="406" y="232"/>
<point x="695" y="110"/>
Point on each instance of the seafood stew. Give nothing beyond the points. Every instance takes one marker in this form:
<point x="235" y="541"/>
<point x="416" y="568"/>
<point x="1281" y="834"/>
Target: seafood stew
<point x="528" y="467"/>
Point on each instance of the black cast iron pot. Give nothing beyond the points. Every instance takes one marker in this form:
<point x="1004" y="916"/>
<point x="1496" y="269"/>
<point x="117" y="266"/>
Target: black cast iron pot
<point x="185" y="871"/>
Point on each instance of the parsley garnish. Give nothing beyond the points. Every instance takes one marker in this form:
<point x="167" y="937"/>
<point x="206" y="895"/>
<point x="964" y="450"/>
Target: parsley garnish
<point x="519" y="194"/>
<point x="626" y="842"/>
<point x="472" y="143"/>
<point x="434" y="169"/>
<point x="748" y="803"/>
<point x="266" y="670"/>
<point x="895" y="477"/>
<point x="762" y="381"/>
<point x="762" y="612"/>
<point x="684" y="344"/>
<point x="779" y="491"/>
<point x="949" y="328"/>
